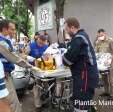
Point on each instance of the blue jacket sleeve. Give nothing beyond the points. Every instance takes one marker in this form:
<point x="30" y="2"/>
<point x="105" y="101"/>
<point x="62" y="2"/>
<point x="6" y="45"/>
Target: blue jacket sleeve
<point x="72" y="54"/>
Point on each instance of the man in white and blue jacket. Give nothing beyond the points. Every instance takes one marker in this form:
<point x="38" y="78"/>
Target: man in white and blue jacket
<point x="5" y="95"/>
<point x="8" y="66"/>
<point x="80" y="57"/>
<point x="4" y="107"/>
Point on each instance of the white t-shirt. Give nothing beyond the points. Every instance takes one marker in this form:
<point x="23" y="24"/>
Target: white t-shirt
<point x="3" y="90"/>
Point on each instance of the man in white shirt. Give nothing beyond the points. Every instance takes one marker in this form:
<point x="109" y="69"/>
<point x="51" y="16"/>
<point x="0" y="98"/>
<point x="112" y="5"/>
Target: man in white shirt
<point x="5" y="26"/>
<point x="4" y="105"/>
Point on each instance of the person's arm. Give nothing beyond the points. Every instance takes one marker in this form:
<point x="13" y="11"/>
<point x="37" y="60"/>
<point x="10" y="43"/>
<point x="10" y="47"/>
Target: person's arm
<point x="27" y="50"/>
<point x="4" y="105"/>
<point x="111" y="46"/>
<point x="71" y="56"/>
<point x="12" y="58"/>
<point x="96" y="46"/>
<point x="7" y="54"/>
<point x="110" y="50"/>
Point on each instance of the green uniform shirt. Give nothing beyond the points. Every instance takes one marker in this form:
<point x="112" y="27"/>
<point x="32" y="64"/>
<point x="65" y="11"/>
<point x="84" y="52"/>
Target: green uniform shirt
<point x="104" y="46"/>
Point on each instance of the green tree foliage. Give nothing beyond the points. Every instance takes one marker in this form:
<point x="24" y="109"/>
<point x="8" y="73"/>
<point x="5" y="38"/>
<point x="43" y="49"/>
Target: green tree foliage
<point x="17" y="11"/>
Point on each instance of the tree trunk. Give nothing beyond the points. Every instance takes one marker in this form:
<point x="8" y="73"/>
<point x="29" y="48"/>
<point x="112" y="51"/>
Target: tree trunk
<point x="59" y="14"/>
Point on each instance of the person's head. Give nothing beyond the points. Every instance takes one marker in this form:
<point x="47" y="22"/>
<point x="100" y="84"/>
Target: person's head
<point x="36" y="35"/>
<point x="7" y="28"/>
<point x="11" y="29"/>
<point x="101" y="34"/>
<point x="45" y="32"/>
<point x="26" y="39"/>
<point x="42" y="40"/>
<point x="67" y="38"/>
<point x="18" y="40"/>
<point x="48" y="37"/>
<point x="4" y="25"/>
<point x="72" y="25"/>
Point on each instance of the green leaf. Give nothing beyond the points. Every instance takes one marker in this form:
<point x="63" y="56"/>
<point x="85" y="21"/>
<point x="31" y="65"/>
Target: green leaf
<point x="17" y="11"/>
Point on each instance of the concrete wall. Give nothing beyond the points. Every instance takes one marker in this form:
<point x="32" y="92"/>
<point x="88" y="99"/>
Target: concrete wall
<point x="35" y="14"/>
<point x="92" y="14"/>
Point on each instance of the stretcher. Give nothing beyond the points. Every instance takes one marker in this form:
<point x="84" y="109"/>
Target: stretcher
<point x="55" y="84"/>
<point x="58" y="73"/>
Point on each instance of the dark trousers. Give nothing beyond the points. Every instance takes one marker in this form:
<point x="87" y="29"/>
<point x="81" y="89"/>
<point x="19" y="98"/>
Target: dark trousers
<point x="82" y="99"/>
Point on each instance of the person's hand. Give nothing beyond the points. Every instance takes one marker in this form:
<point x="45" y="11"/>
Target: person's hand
<point x="24" y="64"/>
<point x="46" y="56"/>
<point x="30" y="59"/>
<point x="36" y="68"/>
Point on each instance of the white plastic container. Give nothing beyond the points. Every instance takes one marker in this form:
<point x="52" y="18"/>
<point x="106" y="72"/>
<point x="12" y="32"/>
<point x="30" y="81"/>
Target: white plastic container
<point x="58" y="60"/>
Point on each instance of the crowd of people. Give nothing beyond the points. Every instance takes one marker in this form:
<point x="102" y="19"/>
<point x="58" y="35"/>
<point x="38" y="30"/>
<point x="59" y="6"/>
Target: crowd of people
<point x="80" y="58"/>
<point x="8" y="98"/>
<point x="9" y="46"/>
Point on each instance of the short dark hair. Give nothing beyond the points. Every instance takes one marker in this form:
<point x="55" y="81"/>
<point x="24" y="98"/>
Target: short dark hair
<point x="72" y="21"/>
<point x="43" y="37"/>
<point x="101" y="30"/>
<point x="37" y="33"/>
<point x="4" y="24"/>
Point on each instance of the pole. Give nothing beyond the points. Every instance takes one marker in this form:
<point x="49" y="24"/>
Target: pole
<point x="59" y="14"/>
<point x="18" y="11"/>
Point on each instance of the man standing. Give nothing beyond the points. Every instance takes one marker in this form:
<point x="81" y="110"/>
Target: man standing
<point x="4" y="105"/>
<point x="8" y="66"/>
<point x="11" y="32"/>
<point x="4" y="101"/>
<point x="104" y="44"/>
<point x="36" y="50"/>
<point x="80" y="57"/>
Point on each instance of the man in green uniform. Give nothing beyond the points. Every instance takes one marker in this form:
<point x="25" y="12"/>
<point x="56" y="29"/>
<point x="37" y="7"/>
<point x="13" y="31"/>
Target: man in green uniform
<point x="104" y="45"/>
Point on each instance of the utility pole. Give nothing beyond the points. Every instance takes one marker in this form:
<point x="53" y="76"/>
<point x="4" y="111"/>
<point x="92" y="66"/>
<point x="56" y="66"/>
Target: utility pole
<point x="59" y="14"/>
<point x="18" y="13"/>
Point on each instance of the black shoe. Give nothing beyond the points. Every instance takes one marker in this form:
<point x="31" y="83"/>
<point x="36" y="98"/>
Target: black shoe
<point x="45" y="105"/>
<point x="38" y="109"/>
<point x="110" y="98"/>
<point x="104" y="95"/>
<point x="92" y="109"/>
